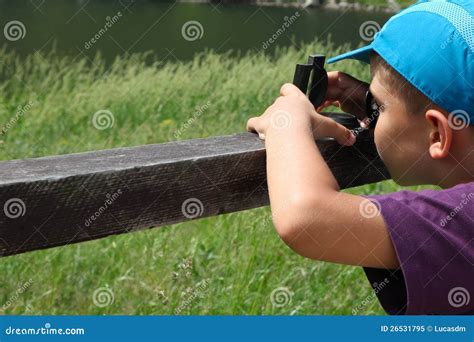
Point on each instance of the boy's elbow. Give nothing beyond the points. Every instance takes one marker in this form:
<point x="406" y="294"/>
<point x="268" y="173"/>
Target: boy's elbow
<point x="293" y="219"/>
<point x="288" y="230"/>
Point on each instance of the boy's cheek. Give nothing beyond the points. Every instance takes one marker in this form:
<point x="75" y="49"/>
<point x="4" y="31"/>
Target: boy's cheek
<point x="383" y="138"/>
<point x="398" y="150"/>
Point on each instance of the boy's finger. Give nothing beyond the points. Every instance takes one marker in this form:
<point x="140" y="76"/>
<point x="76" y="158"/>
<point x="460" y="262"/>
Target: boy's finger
<point x="289" y="89"/>
<point x="252" y="126"/>
<point x="342" y="79"/>
<point x="339" y="78"/>
<point x="334" y="93"/>
<point x="251" y="123"/>
<point x="327" y="103"/>
<point x="365" y="122"/>
<point x="330" y="128"/>
<point x="333" y="77"/>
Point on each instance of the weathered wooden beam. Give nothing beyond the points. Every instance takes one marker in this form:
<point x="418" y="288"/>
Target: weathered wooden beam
<point x="53" y="201"/>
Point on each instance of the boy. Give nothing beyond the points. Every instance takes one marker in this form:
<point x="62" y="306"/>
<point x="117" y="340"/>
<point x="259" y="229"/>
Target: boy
<point x="419" y="244"/>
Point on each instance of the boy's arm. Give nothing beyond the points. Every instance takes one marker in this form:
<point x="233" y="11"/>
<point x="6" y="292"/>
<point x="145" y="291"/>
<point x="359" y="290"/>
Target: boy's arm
<point x="309" y="212"/>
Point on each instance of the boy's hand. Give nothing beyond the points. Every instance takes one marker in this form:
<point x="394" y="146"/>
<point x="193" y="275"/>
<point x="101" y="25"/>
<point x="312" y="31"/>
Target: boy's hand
<point x="346" y="92"/>
<point x="293" y="111"/>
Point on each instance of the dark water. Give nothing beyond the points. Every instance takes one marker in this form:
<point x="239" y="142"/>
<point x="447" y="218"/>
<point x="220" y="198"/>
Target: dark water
<point x="133" y="26"/>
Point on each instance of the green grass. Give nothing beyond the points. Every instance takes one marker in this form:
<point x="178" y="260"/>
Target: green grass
<point x="383" y="3"/>
<point x="377" y="3"/>
<point x="238" y="257"/>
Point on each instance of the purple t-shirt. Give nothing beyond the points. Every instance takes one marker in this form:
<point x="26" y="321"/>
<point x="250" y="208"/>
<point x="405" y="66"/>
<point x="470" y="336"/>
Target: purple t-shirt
<point x="432" y="232"/>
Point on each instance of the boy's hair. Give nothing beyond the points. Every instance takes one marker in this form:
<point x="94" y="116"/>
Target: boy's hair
<point x="415" y="101"/>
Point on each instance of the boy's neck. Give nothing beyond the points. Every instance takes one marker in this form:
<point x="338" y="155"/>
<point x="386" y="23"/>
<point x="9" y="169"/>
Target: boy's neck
<point x="458" y="172"/>
<point x="449" y="183"/>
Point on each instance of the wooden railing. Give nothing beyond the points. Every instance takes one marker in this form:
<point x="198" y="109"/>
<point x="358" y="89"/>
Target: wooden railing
<point x="59" y="200"/>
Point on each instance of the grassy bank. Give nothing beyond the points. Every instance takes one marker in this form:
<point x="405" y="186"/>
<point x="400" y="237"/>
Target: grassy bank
<point x="224" y="265"/>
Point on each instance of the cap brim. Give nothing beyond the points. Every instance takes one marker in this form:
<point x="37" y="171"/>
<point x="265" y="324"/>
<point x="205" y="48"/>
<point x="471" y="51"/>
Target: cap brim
<point x="361" y="54"/>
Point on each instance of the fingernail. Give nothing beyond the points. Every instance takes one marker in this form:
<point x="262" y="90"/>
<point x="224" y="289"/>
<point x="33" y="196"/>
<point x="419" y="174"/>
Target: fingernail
<point x="352" y="138"/>
<point x="364" y="123"/>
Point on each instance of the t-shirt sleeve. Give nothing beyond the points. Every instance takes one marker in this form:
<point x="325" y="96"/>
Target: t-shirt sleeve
<point x="432" y="232"/>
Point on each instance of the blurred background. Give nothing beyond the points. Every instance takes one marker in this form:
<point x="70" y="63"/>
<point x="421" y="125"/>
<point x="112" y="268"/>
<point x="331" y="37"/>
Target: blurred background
<point x="140" y="25"/>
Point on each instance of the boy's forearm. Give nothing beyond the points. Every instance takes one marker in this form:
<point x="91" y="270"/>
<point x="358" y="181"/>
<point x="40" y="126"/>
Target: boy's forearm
<point x="296" y="170"/>
<point x="299" y="180"/>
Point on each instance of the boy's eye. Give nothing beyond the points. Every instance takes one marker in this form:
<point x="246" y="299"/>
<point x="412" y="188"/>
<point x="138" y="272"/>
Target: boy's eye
<point x="372" y="108"/>
<point x="375" y="107"/>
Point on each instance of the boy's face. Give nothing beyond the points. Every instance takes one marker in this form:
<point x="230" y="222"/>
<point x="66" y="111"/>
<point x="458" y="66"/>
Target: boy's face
<point x="400" y="137"/>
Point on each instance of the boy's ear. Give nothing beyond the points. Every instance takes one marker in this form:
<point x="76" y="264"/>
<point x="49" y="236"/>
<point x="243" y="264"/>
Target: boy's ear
<point x="441" y="134"/>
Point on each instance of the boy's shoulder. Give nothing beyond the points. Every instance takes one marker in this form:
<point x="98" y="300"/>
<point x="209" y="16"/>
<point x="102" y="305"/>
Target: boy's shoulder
<point x="448" y="194"/>
<point x="438" y="207"/>
<point x="432" y="232"/>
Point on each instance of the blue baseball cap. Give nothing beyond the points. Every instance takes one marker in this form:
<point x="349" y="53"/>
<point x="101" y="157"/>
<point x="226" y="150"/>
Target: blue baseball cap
<point x="431" y="44"/>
